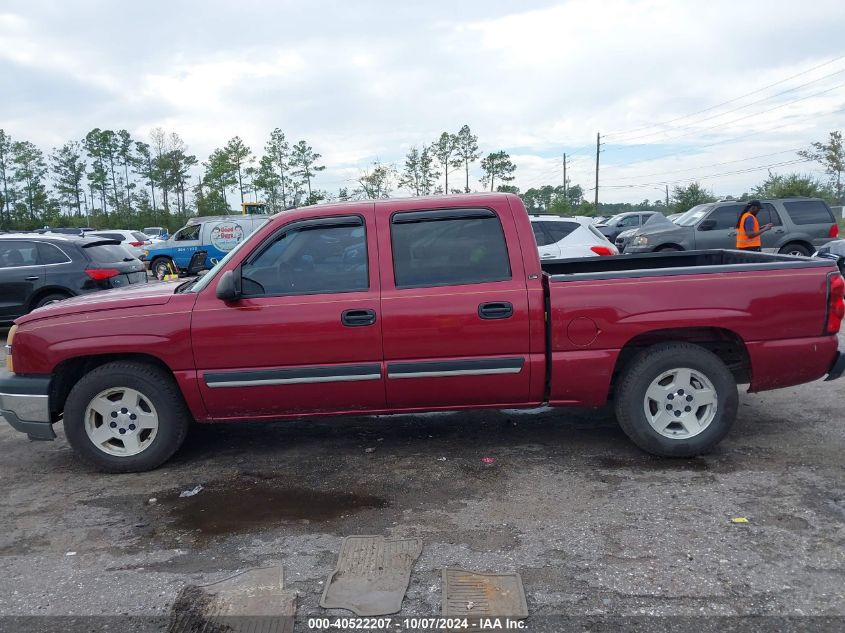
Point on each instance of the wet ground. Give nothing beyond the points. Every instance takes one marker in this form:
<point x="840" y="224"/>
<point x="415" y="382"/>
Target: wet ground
<point x="594" y="526"/>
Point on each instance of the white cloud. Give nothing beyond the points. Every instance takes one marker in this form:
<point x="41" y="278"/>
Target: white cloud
<point x="361" y="82"/>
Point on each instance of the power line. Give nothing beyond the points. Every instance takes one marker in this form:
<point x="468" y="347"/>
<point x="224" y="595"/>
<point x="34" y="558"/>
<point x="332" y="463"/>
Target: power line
<point x="727" y="162"/>
<point x="747" y="105"/>
<point x="734" y="100"/>
<point x="708" y="176"/>
<point x="742" y="118"/>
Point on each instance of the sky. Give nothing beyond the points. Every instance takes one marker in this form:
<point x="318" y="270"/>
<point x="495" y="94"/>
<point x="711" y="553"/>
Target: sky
<point x="679" y="90"/>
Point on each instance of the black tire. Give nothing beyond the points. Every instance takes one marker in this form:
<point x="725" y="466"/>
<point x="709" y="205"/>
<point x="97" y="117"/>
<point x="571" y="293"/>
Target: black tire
<point x="646" y="367"/>
<point x="795" y="249"/>
<point x="668" y="249"/>
<point x="158" y="386"/>
<point x="53" y="297"/>
<point x="161" y="266"/>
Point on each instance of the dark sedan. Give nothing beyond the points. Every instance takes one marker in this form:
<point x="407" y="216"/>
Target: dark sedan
<point x="39" y="269"/>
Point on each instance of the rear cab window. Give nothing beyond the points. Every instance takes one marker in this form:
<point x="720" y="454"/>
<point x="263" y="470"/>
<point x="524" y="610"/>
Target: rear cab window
<point x="809" y="212"/>
<point x="448" y="247"/>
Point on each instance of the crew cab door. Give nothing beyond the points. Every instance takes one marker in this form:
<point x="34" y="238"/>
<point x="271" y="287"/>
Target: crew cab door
<point x="21" y="274"/>
<point x="454" y="308"/>
<point x="305" y="336"/>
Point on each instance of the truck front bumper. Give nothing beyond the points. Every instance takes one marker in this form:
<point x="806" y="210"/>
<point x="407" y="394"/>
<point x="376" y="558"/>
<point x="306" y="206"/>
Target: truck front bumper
<point x="25" y="403"/>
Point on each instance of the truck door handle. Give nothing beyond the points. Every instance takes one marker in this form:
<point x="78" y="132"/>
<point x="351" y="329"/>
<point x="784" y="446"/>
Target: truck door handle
<point x="357" y="318"/>
<point x="732" y="234"/>
<point x="495" y="310"/>
<point x="779" y="231"/>
<point x="547" y="255"/>
<point x="32" y="278"/>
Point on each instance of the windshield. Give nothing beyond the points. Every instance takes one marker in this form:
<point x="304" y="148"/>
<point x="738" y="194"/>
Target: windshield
<point x="693" y="215"/>
<point x="203" y="281"/>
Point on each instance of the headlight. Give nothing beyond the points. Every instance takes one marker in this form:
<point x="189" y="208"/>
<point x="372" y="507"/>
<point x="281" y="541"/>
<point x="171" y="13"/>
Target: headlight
<point x="640" y="240"/>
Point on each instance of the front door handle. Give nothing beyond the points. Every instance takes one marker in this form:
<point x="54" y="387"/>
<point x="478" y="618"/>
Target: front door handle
<point x="779" y="232"/>
<point x="358" y="318"/>
<point x="495" y="310"/>
<point x="547" y="255"/>
<point x="33" y="278"/>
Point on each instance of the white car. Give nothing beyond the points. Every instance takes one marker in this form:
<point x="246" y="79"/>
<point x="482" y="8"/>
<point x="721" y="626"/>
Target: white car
<point x="563" y="238"/>
<point x="134" y="241"/>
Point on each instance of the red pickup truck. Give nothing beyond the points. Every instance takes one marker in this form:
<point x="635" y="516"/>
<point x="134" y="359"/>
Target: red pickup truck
<point x="421" y="304"/>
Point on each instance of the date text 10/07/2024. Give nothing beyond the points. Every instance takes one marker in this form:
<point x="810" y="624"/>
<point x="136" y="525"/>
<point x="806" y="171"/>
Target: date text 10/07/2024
<point x="417" y="624"/>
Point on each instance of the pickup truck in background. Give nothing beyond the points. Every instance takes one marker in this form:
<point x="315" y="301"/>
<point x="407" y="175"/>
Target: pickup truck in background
<point x="421" y="304"/>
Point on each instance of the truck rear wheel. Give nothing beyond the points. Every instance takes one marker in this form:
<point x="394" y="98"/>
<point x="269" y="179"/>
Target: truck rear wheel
<point x="676" y="400"/>
<point x="126" y="417"/>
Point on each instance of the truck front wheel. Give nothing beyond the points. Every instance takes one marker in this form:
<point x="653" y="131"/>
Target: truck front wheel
<point x="676" y="400"/>
<point x="126" y="417"/>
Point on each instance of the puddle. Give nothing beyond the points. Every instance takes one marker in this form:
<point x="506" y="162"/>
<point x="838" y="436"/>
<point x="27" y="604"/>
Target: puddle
<point x="242" y="505"/>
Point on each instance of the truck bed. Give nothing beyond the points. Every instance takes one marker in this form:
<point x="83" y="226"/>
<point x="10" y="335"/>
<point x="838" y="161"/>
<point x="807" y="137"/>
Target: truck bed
<point x="672" y="263"/>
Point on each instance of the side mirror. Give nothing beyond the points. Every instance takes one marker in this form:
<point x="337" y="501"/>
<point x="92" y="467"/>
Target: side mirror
<point x="229" y="286"/>
<point x="707" y="225"/>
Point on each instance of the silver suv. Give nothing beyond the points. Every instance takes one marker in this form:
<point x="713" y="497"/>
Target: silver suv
<point x="800" y="226"/>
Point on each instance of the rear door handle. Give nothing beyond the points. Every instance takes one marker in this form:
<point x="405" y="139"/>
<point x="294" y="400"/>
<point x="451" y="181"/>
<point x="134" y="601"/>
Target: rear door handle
<point x="33" y="278"/>
<point x="547" y="255"/>
<point x="358" y="318"/>
<point x="495" y="310"/>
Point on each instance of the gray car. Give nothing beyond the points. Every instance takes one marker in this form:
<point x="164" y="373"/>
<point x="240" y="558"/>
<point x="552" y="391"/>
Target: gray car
<point x="800" y="226"/>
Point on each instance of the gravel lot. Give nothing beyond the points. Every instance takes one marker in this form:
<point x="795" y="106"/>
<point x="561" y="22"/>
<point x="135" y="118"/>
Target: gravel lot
<point x="594" y="526"/>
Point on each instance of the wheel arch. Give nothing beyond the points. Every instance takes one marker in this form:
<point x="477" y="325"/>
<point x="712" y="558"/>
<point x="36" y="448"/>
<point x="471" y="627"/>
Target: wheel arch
<point x="672" y="245"/>
<point x="800" y="242"/>
<point x="47" y="290"/>
<point x="69" y="371"/>
<point x="724" y="343"/>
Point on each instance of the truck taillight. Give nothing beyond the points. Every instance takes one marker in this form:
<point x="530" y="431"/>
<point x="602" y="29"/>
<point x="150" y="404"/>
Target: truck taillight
<point x="99" y="274"/>
<point x="835" y="302"/>
<point x="604" y="251"/>
<point x="834" y="231"/>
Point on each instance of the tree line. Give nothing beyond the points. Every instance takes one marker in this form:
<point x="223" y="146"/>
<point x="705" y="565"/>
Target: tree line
<point x="108" y="179"/>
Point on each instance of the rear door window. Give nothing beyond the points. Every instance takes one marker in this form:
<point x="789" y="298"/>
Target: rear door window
<point x="809" y="212"/>
<point x="540" y="235"/>
<point x="448" y="247"/>
<point x="49" y="254"/>
<point x="559" y="230"/>
<point x="768" y="215"/>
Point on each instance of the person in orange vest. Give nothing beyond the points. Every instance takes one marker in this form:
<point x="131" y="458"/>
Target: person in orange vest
<point x="748" y="229"/>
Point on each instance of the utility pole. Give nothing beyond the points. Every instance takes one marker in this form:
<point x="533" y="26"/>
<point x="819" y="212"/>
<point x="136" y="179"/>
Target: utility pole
<point x="564" y="175"/>
<point x="598" y="145"/>
<point x="667" y="197"/>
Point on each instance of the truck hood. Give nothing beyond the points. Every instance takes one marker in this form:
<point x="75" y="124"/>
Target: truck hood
<point x="150" y="294"/>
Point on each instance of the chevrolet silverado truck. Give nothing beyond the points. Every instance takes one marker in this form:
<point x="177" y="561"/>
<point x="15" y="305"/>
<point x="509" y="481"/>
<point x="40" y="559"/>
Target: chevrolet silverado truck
<point x="421" y="304"/>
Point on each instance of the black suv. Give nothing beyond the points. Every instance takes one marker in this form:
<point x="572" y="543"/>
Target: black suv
<point x="39" y="269"/>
